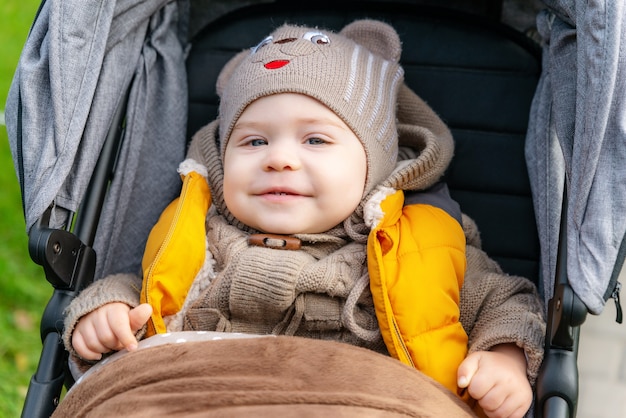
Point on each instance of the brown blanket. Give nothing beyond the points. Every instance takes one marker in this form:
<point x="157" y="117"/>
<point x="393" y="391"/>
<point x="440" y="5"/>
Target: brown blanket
<point x="259" y="377"/>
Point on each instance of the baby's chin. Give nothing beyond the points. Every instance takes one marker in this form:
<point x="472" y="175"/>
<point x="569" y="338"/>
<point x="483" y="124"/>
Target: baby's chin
<point x="286" y="231"/>
<point x="276" y="227"/>
<point x="290" y="230"/>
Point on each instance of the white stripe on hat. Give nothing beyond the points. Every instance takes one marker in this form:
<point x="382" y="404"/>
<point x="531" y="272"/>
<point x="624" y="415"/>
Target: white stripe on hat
<point x="379" y="94"/>
<point x="368" y="83"/>
<point x="353" y="70"/>
<point x="380" y="98"/>
<point x="390" y="115"/>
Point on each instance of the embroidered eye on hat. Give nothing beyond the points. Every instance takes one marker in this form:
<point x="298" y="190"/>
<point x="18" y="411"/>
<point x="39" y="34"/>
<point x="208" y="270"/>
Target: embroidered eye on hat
<point x="355" y="73"/>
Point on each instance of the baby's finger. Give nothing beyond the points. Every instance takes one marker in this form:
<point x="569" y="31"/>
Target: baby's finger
<point x="467" y="369"/>
<point x="119" y="321"/>
<point x="493" y="402"/>
<point x="500" y="403"/>
<point x="520" y="412"/>
<point x="81" y="348"/>
<point x="139" y="316"/>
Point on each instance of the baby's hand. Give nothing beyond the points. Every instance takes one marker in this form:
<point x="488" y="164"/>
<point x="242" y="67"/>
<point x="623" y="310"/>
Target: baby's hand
<point x="497" y="380"/>
<point x="109" y="328"/>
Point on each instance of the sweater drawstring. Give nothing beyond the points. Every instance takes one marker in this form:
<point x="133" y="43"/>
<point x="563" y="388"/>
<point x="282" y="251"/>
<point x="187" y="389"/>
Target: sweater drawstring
<point x="290" y="324"/>
<point x="347" y="316"/>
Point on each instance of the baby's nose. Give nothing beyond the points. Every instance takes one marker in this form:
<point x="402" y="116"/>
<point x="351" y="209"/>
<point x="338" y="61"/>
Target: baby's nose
<point x="281" y="158"/>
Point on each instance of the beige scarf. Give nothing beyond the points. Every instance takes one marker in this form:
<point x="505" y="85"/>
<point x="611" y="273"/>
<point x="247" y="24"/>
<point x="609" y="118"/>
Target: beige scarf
<point x="320" y="290"/>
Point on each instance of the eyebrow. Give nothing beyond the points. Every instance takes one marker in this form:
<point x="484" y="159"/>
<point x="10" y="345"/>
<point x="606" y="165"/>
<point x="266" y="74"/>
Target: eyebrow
<point x="241" y="125"/>
<point x="324" y="121"/>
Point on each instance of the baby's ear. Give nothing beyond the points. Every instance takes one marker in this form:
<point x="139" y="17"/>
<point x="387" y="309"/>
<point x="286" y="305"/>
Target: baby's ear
<point x="228" y="70"/>
<point x="379" y="37"/>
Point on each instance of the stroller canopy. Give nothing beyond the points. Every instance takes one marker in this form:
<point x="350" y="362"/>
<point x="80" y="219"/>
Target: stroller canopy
<point x="74" y="72"/>
<point x="577" y="137"/>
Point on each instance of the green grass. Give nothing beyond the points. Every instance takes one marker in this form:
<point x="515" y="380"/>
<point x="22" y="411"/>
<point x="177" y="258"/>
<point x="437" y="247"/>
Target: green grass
<point x="23" y="289"/>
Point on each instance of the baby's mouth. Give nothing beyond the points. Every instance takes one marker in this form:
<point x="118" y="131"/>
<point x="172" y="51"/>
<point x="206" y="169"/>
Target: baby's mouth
<point x="280" y="193"/>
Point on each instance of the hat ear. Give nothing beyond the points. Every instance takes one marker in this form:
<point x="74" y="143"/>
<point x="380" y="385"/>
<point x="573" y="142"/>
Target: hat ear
<point x="228" y="70"/>
<point x="379" y="37"/>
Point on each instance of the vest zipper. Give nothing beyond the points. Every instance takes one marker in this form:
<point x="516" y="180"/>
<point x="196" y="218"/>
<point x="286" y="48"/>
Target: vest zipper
<point x="165" y="243"/>
<point x="401" y="343"/>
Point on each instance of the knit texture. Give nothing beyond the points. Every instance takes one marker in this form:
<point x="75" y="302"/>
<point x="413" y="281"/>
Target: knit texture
<point x="497" y="308"/>
<point x="318" y="290"/>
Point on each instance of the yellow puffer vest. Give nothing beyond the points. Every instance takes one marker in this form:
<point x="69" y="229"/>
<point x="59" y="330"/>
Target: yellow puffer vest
<point x="175" y="252"/>
<point x="416" y="262"/>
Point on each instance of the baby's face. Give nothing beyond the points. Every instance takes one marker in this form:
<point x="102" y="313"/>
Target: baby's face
<point x="292" y="166"/>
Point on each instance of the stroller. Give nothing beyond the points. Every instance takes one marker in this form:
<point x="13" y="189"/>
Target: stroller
<point x="536" y="131"/>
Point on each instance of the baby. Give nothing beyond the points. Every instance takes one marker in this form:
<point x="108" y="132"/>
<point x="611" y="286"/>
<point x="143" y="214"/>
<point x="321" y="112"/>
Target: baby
<point x="313" y="207"/>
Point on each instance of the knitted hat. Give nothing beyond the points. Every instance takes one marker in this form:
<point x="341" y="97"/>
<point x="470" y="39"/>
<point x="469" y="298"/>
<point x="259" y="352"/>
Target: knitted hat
<point x="355" y="73"/>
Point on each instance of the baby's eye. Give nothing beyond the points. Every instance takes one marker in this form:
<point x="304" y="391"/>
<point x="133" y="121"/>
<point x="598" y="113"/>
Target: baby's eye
<point x="261" y="44"/>
<point x="257" y="142"/>
<point x="315" y="141"/>
<point x="317" y="38"/>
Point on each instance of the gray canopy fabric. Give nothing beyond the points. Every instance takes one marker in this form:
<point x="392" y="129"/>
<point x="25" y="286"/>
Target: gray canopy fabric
<point x="75" y="69"/>
<point x="577" y="134"/>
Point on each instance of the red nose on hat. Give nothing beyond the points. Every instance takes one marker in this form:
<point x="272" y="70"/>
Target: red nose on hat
<point x="274" y="65"/>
